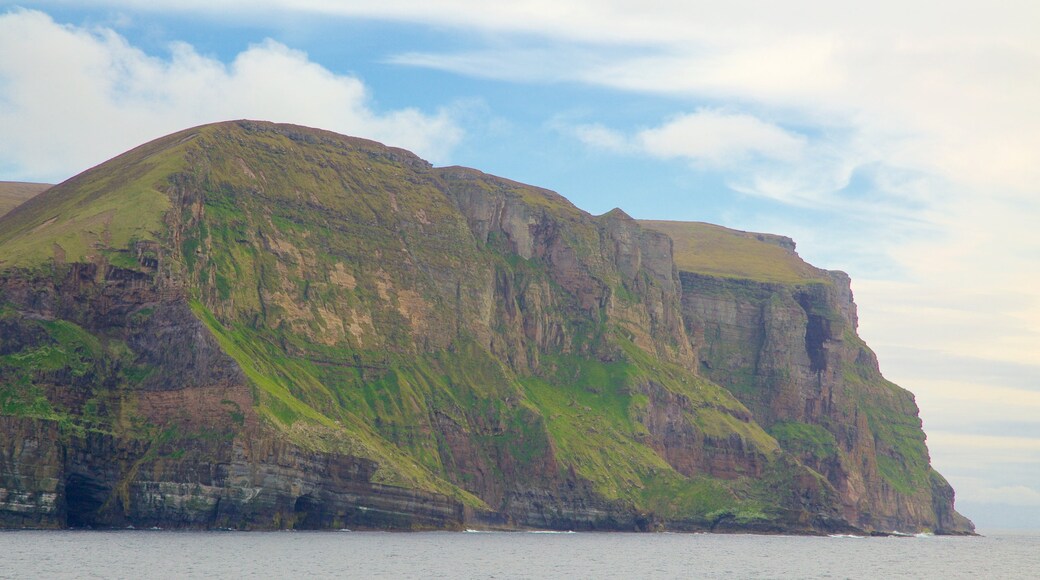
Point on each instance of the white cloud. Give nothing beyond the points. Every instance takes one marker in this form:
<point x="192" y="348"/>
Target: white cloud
<point x="598" y="136"/>
<point x="956" y="81"/>
<point x="75" y="97"/>
<point x="705" y="138"/>
<point x="720" y="139"/>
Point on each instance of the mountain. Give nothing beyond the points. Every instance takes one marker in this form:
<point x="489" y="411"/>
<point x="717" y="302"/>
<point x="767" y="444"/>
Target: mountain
<point x="260" y="326"/>
<point x="13" y="193"/>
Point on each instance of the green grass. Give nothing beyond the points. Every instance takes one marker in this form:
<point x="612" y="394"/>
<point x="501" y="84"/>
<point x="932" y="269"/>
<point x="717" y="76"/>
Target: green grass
<point x="281" y="381"/>
<point x="290" y="398"/>
<point x="696" y="499"/>
<point x="592" y="409"/>
<point x="902" y="453"/>
<point x="714" y="250"/>
<point x="805" y="439"/>
<point x="104" y="208"/>
<point x="13" y="193"/>
<point x="52" y="353"/>
<point x="892" y="416"/>
<point x="595" y="435"/>
<point x="410" y="400"/>
<point x="718" y="412"/>
<point x="594" y="432"/>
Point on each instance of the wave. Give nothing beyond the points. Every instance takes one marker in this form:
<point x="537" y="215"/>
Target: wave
<point x="909" y="535"/>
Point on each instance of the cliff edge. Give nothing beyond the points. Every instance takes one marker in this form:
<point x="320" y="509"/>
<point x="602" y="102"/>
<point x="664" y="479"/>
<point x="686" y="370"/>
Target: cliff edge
<point x="260" y="326"/>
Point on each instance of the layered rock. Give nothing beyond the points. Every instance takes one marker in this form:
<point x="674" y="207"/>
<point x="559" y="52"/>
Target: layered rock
<point x="784" y="342"/>
<point x="259" y="326"/>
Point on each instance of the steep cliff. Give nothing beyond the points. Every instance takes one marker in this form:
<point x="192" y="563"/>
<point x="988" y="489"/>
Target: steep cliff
<point x="259" y="326"/>
<point x="781" y="336"/>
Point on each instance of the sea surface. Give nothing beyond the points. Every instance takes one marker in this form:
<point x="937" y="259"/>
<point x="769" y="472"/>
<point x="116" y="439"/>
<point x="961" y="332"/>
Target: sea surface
<point x="168" y="554"/>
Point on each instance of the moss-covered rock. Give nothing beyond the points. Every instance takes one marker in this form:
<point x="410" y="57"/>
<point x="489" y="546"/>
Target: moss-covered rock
<point x="260" y="326"/>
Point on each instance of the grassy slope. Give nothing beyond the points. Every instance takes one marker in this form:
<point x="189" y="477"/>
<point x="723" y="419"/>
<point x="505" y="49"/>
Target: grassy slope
<point x="714" y="250"/>
<point x="14" y="193"/>
<point x="309" y="258"/>
<point x="104" y="208"/>
<point x="40" y="354"/>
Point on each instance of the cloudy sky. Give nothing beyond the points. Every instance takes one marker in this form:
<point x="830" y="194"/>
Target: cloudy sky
<point x="898" y="140"/>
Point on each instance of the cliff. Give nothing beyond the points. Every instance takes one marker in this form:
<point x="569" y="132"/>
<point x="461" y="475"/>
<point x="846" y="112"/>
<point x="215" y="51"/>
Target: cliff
<point x="252" y="325"/>
<point x="781" y="336"/>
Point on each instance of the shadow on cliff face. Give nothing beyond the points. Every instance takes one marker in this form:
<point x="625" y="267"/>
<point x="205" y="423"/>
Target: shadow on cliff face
<point x="84" y="497"/>
<point x="817" y="331"/>
<point x="309" y="513"/>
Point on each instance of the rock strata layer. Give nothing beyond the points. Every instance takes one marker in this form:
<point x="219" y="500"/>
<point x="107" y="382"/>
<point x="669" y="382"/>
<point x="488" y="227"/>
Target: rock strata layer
<point x="258" y="326"/>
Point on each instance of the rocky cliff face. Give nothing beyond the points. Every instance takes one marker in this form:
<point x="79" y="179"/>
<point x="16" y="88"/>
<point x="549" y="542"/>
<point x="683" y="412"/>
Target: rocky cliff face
<point x="259" y="326"/>
<point x="785" y="344"/>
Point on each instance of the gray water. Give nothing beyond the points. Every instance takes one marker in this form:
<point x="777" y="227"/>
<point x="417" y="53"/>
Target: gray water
<point x="159" y="554"/>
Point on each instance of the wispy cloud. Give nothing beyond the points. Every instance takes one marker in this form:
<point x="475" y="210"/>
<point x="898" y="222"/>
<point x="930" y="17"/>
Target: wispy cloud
<point x="960" y="96"/>
<point x="720" y="139"/>
<point x="825" y="171"/>
<point x="704" y="138"/>
<point x="598" y="136"/>
<point x="77" y="96"/>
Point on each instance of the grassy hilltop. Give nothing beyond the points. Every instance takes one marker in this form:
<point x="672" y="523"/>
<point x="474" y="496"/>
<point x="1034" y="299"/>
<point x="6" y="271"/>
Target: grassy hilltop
<point x="269" y="297"/>
<point x="13" y="193"/>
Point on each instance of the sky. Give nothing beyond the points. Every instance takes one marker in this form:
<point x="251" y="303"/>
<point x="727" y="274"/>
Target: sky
<point x="897" y="140"/>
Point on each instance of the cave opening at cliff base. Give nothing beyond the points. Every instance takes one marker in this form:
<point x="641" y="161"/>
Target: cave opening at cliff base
<point x="84" y="497"/>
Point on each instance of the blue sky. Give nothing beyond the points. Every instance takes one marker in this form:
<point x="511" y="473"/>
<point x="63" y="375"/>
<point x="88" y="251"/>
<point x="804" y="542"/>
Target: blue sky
<point x="897" y="141"/>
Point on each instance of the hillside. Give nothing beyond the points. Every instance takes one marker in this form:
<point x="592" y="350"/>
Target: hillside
<point x="13" y="193"/>
<point x="252" y="325"/>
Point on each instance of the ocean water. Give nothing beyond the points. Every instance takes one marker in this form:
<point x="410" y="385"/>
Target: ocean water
<point x="162" y="554"/>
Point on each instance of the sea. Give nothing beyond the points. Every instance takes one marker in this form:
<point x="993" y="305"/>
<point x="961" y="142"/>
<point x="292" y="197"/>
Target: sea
<point x="346" y="554"/>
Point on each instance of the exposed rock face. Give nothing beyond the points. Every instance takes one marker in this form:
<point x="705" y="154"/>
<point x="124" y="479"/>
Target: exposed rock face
<point x="789" y="351"/>
<point x="208" y="464"/>
<point x="262" y="326"/>
<point x="31" y="476"/>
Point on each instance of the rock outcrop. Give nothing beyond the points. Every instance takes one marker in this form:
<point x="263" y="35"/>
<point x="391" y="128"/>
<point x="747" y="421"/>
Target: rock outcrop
<point x="259" y="326"/>
<point x="783" y="340"/>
